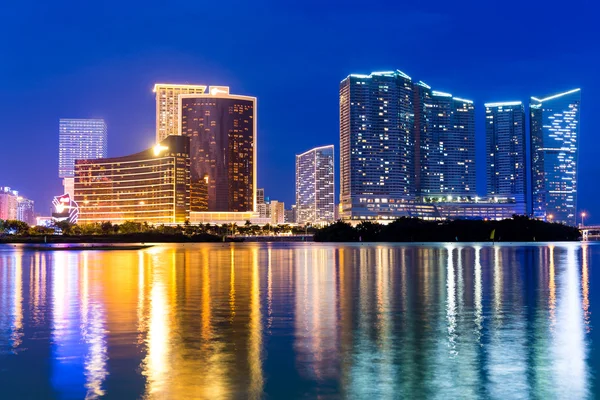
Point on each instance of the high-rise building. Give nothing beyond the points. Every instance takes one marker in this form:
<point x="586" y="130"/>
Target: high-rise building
<point x="8" y="203"/>
<point x="445" y="139"/>
<point x="167" y="107"/>
<point x="260" y="196"/>
<point x="277" y="212"/>
<point x="554" y="127"/>
<point x="506" y="150"/>
<point x="152" y="186"/>
<point x="222" y="131"/>
<point x="290" y="215"/>
<point x="25" y="211"/>
<point x="79" y="139"/>
<point x="376" y="142"/>
<point x="315" y="187"/>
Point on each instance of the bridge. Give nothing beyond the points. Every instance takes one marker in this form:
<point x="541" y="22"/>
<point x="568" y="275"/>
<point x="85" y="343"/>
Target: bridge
<point x="590" y="232"/>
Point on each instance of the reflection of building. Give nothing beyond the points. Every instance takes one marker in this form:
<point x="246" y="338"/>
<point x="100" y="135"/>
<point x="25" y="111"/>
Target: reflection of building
<point x="505" y="153"/>
<point x="79" y="139"/>
<point x="167" y="107"/>
<point x="151" y="186"/>
<point x="8" y="203"/>
<point x="25" y="211"/>
<point x="315" y="185"/>
<point x="222" y="131"/>
<point x="554" y="126"/>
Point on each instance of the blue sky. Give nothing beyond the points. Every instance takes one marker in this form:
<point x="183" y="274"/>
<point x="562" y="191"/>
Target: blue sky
<point x="101" y="59"/>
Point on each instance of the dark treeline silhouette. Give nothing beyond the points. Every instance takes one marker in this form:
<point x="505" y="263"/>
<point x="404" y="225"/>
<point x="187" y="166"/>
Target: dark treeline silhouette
<point x="517" y="229"/>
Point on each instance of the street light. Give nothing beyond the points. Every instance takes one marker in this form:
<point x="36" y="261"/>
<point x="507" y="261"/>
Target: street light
<point x="582" y="217"/>
<point x="550" y="217"/>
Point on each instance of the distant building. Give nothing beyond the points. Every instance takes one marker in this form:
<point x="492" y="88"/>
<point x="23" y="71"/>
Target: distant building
<point x="26" y="211"/>
<point x="167" y="107"/>
<point x="315" y="186"/>
<point x="445" y="143"/>
<point x="290" y="215"/>
<point x="505" y="150"/>
<point x="8" y="203"/>
<point x="260" y="196"/>
<point x="79" y="139"/>
<point x="277" y="212"/>
<point x="222" y="131"/>
<point x="152" y="186"/>
<point x="554" y="126"/>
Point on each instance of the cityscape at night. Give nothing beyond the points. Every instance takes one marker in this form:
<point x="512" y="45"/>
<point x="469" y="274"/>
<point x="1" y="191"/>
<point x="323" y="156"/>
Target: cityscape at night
<point x="299" y="200"/>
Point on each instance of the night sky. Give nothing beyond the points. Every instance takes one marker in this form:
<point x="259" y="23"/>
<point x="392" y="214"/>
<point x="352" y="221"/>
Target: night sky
<point x="85" y="59"/>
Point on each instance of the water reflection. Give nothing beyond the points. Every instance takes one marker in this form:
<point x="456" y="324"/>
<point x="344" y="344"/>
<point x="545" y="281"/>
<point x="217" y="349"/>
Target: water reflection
<point x="254" y="321"/>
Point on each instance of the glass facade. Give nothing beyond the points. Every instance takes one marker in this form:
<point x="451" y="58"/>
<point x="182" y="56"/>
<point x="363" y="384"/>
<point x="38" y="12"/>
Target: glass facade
<point x="222" y="129"/>
<point x="376" y="138"/>
<point x="152" y="186"/>
<point x="505" y="150"/>
<point x="167" y="107"/>
<point x="315" y="187"/>
<point x="554" y="156"/>
<point x="79" y="139"/>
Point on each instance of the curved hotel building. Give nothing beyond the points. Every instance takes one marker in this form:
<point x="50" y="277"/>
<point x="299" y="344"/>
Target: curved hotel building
<point x="221" y="128"/>
<point x="151" y="186"/>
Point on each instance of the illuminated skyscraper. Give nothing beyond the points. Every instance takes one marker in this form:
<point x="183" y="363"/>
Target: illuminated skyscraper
<point x="315" y="187"/>
<point x="167" y="107"/>
<point x="222" y="130"/>
<point x="554" y="155"/>
<point x="79" y="139"/>
<point x="25" y="210"/>
<point x="376" y="143"/>
<point x="445" y="138"/>
<point x="152" y="186"/>
<point x="505" y="150"/>
<point x="9" y="203"/>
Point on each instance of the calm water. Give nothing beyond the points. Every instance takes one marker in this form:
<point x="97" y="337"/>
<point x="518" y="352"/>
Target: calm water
<point x="301" y="321"/>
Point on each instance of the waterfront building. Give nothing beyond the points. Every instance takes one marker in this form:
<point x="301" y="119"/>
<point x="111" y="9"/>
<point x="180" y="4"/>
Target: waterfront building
<point x="222" y="131"/>
<point x="290" y="215"/>
<point x="25" y="210"/>
<point x="79" y="139"/>
<point x="554" y="127"/>
<point x="376" y="141"/>
<point x="277" y="212"/>
<point x="167" y="107"/>
<point x="400" y="139"/>
<point x="315" y="186"/>
<point x="505" y="149"/>
<point x="8" y="203"/>
<point x="152" y="186"/>
<point x="445" y="139"/>
<point x="260" y="196"/>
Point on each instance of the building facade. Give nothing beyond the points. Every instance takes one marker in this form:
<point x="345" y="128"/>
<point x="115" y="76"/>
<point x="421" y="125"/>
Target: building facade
<point x="8" y="203"/>
<point x="167" y="107"/>
<point x="315" y="186"/>
<point x="26" y="211"/>
<point x="222" y="131"/>
<point x="506" y="150"/>
<point x="152" y="186"/>
<point x="554" y="127"/>
<point x="277" y="212"/>
<point x="79" y="139"/>
<point x="376" y="141"/>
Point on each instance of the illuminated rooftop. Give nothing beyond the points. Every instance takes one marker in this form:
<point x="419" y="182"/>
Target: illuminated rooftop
<point x="555" y="96"/>
<point x="177" y="86"/>
<point x="504" y="104"/>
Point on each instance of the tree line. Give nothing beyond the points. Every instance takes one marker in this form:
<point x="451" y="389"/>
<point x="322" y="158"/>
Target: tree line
<point x="516" y="229"/>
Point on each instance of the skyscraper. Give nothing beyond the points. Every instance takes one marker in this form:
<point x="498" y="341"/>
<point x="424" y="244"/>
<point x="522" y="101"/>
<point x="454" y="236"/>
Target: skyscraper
<point x="167" y="107"/>
<point x="554" y="130"/>
<point x="376" y="142"/>
<point x="9" y="203"/>
<point x="222" y="130"/>
<point x="445" y="138"/>
<point x="25" y="210"/>
<point x="79" y="139"/>
<point x="315" y="187"/>
<point x="505" y="150"/>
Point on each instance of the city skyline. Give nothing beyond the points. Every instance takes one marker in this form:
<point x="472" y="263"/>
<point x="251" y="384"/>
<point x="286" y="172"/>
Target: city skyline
<point x="131" y="68"/>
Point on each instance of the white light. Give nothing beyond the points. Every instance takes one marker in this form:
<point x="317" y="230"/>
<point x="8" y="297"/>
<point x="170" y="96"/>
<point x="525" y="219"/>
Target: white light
<point x="501" y="104"/>
<point x="159" y="149"/>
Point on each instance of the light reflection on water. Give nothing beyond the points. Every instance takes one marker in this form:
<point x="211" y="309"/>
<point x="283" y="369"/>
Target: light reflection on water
<point x="294" y="320"/>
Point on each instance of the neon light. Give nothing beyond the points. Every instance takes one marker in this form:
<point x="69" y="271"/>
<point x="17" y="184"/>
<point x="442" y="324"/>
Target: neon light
<point x="556" y="95"/>
<point x="463" y="100"/>
<point x="502" y="104"/>
<point x="442" y="94"/>
<point x="402" y="74"/>
<point x="421" y="83"/>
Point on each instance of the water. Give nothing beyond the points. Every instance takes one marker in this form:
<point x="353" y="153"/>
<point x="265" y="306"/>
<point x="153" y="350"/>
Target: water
<point x="301" y="321"/>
